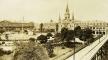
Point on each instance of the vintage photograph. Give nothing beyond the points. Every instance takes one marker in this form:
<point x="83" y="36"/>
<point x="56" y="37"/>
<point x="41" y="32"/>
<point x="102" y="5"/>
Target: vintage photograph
<point x="53" y="29"/>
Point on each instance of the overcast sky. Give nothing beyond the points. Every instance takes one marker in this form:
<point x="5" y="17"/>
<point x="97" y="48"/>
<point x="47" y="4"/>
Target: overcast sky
<point x="45" y="10"/>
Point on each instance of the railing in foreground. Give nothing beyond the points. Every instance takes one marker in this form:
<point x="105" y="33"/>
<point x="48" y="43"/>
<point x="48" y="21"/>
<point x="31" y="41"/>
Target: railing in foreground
<point x="90" y="51"/>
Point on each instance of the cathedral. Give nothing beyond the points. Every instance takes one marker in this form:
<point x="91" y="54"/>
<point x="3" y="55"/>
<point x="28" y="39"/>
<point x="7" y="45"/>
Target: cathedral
<point x="67" y="22"/>
<point x="98" y="27"/>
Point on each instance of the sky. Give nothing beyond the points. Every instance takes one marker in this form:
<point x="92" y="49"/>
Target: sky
<point x="46" y="10"/>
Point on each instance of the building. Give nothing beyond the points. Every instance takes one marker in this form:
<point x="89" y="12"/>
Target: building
<point x="67" y="21"/>
<point x="14" y="26"/>
<point x="48" y="27"/>
<point x="98" y="27"/>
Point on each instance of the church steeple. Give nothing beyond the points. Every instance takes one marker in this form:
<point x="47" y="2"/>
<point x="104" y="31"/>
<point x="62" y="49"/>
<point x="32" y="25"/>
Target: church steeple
<point x="73" y="16"/>
<point x="67" y="14"/>
<point x="67" y="8"/>
<point x="59" y="18"/>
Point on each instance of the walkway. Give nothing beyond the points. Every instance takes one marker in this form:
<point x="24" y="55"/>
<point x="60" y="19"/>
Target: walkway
<point x="88" y="52"/>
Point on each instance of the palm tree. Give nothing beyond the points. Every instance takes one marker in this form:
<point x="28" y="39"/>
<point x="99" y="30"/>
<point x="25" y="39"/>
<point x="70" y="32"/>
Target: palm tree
<point x="41" y="27"/>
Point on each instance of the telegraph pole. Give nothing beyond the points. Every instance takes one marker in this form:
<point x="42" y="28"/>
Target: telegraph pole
<point x="74" y="34"/>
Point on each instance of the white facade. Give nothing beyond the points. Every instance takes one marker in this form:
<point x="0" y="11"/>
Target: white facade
<point x="98" y="27"/>
<point x="67" y="22"/>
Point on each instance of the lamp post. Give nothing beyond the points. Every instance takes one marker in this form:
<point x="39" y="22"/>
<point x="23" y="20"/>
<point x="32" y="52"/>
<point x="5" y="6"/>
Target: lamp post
<point x="99" y="35"/>
<point x="74" y="49"/>
<point x="74" y="39"/>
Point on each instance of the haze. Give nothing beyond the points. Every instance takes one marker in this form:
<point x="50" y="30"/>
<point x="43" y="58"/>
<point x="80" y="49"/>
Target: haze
<point x="45" y="10"/>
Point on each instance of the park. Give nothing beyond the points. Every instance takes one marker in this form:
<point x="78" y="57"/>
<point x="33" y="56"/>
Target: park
<point x="49" y="46"/>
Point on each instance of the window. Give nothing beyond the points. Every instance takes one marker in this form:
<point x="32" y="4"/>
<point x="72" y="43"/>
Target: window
<point x="103" y="32"/>
<point x="96" y="32"/>
<point x="100" y="32"/>
<point x="93" y="32"/>
<point x="90" y="27"/>
<point x="93" y="27"/>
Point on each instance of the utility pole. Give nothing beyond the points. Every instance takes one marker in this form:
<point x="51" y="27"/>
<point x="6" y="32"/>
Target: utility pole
<point x="74" y="35"/>
<point x="99" y="35"/>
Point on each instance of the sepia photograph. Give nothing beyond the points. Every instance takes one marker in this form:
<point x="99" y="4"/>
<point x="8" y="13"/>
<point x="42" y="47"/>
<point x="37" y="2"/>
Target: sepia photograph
<point x="53" y="29"/>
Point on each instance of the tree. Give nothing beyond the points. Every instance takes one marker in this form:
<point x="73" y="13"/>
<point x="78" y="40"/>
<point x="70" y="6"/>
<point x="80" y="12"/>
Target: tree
<point x="63" y="35"/>
<point x="49" y="35"/>
<point x="42" y="38"/>
<point x="50" y="48"/>
<point x="78" y="31"/>
<point x="57" y="37"/>
<point x="50" y="30"/>
<point x="2" y="31"/>
<point x="41" y="27"/>
<point x="69" y="37"/>
<point x="87" y="35"/>
<point x="7" y="37"/>
<point x="83" y="35"/>
<point x="57" y="26"/>
<point x="30" y="51"/>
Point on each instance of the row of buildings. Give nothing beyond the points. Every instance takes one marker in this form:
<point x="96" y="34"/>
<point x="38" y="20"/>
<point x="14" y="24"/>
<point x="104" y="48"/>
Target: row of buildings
<point x="15" y="26"/>
<point x="68" y="21"/>
<point x="98" y="27"/>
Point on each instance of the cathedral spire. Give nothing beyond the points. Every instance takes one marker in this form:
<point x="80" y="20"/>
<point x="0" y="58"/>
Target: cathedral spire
<point x="67" y="8"/>
<point x="73" y="16"/>
<point x="67" y="14"/>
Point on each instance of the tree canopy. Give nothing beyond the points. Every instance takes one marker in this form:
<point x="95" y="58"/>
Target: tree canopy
<point x="30" y="51"/>
<point x="64" y="33"/>
<point x="85" y="34"/>
<point x="70" y="35"/>
<point x="49" y="35"/>
<point x="78" y="31"/>
<point x="42" y="38"/>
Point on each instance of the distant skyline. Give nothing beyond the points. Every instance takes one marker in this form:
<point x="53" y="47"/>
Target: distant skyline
<point x="45" y="10"/>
